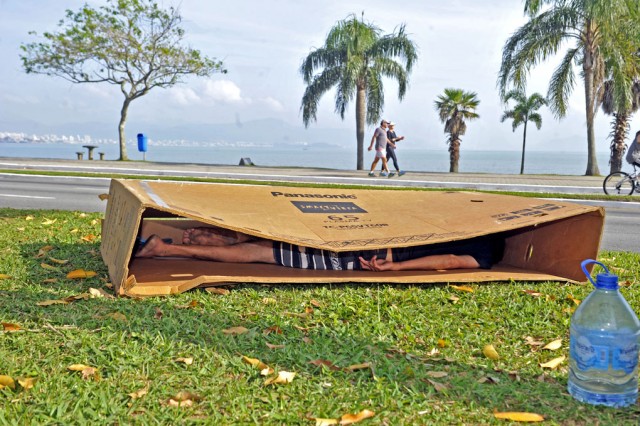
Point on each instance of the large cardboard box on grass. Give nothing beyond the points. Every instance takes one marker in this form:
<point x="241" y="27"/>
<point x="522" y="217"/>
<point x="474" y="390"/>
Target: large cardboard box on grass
<point x="545" y="239"/>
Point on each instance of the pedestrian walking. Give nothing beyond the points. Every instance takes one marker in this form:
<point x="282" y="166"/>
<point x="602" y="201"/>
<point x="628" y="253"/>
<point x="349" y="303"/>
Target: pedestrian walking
<point x="380" y="139"/>
<point x="391" y="148"/>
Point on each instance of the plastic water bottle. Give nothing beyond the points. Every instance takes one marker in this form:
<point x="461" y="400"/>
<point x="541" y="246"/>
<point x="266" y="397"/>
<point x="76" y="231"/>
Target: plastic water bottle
<point x="604" y="337"/>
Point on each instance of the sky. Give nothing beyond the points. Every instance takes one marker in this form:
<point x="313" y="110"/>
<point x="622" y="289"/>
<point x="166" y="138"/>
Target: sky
<point x="262" y="45"/>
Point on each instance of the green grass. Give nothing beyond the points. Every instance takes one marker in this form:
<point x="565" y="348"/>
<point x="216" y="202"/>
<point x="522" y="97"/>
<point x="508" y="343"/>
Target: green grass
<point x="393" y="327"/>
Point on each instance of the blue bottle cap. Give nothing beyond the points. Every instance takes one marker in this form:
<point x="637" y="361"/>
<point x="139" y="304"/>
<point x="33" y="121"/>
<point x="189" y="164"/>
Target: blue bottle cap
<point x="606" y="281"/>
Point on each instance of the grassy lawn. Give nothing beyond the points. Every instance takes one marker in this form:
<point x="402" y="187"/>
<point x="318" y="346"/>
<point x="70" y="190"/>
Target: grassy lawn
<point x="414" y="352"/>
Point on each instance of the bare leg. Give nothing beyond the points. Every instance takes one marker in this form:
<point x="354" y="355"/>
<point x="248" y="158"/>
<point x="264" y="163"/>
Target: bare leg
<point x="213" y="236"/>
<point x="375" y="162"/>
<point x="260" y="251"/>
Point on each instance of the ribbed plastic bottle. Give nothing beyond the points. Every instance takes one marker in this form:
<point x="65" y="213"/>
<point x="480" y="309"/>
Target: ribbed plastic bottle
<point x="604" y="338"/>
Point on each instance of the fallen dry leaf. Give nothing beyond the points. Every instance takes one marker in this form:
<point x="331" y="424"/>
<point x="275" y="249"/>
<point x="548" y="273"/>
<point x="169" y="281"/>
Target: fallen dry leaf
<point x="27" y="382"/>
<point x="87" y="371"/>
<point x="7" y="326"/>
<point x="437" y="374"/>
<point x="454" y="299"/>
<point x="273" y="329"/>
<point x="98" y="293"/>
<point x="552" y="346"/>
<point x="257" y="364"/>
<point x="81" y="273"/>
<point x="50" y="281"/>
<point x="49" y="221"/>
<point x="315" y="303"/>
<point x="58" y="261"/>
<point x="442" y="343"/>
<point x="532" y="293"/>
<point x="269" y="300"/>
<point x="103" y="197"/>
<point x="573" y="299"/>
<point x="29" y="217"/>
<point x="139" y="393"/>
<point x="282" y="378"/>
<point x="533" y="342"/>
<point x="325" y="422"/>
<point x="462" y="288"/>
<point x="48" y="267"/>
<point x="270" y="346"/>
<point x="519" y="416"/>
<point x="5" y="277"/>
<point x="356" y="367"/>
<point x="324" y="363"/>
<point x="52" y="302"/>
<point x="187" y="361"/>
<point x="554" y="363"/>
<point x="233" y="331"/>
<point x="217" y="290"/>
<point x="439" y="387"/>
<point x="348" y="419"/>
<point x="44" y="251"/>
<point x="490" y="352"/>
<point x="158" y="315"/>
<point x="88" y="238"/>
<point x="77" y="367"/>
<point x="7" y="382"/>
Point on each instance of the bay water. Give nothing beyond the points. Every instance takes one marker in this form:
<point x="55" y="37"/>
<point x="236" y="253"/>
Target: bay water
<point x="331" y="157"/>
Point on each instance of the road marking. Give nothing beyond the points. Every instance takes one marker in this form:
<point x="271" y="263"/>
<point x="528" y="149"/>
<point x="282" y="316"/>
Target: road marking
<point x="27" y="196"/>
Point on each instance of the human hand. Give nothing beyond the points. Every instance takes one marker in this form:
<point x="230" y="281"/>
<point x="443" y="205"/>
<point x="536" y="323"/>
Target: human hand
<point x="369" y="149"/>
<point x="401" y="138"/>
<point x="375" y="264"/>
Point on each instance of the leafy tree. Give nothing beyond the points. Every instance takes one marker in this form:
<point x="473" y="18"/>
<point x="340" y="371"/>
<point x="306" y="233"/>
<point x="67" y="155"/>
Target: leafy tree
<point x="133" y="44"/>
<point x="620" y="122"/>
<point x="586" y="23"/>
<point x="525" y="110"/>
<point x="454" y="107"/>
<point x="354" y="60"/>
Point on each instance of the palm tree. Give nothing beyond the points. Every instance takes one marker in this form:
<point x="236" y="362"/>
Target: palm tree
<point x="620" y="122"/>
<point x="354" y="60"/>
<point x="454" y="107"/>
<point x="522" y="113"/>
<point x="589" y="23"/>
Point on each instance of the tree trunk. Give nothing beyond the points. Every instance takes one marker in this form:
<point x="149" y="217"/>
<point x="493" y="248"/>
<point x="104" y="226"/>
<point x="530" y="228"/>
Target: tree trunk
<point x="587" y="67"/>
<point x="524" y="144"/>
<point x="618" y="146"/>
<point x="121" y="125"/>
<point x="454" y="154"/>
<point x="360" y="123"/>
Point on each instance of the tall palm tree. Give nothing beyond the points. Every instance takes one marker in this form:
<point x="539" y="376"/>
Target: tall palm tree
<point x="525" y="110"/>
<point x="620" y="122"/>
<point x="354" y="60"/>
<point x="454" y="107"/>
<point x="587" y="23"/>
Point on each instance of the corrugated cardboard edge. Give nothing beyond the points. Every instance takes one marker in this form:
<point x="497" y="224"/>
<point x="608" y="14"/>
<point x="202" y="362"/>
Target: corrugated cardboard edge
<point x="129" y="204"/>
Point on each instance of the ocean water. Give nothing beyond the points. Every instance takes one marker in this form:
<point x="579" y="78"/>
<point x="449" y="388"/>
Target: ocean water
<point x="500" y="162"/>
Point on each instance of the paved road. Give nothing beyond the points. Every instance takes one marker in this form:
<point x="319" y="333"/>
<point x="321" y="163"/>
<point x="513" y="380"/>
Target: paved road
<point x="70" y="193"/>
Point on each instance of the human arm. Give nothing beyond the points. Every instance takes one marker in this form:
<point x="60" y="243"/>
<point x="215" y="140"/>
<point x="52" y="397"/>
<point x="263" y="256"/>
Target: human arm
<point x="373" y="139"/>
<point x="425" y="263"/>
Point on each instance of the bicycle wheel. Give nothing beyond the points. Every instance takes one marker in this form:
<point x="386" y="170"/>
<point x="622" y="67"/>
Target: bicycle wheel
<point x="618" y="183"/>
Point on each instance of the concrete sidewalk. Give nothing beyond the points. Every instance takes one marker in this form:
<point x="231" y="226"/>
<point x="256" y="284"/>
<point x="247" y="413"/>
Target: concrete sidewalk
<point x="566" y="184"/>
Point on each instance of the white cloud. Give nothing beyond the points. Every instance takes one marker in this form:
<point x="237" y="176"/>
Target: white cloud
<point x="272" y="104"/>
<point x="224" y="91"/>
<point x="184" y="95"/>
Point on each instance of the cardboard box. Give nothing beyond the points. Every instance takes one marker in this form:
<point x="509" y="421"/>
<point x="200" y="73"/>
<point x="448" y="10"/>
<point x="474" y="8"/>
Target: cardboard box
<point x="545" y="239"/>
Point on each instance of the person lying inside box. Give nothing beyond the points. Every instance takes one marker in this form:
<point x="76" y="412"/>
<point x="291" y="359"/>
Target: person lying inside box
<point x="223" y="245"/>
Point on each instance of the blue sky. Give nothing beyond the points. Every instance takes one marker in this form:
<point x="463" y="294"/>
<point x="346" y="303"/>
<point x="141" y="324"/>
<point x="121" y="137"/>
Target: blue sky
<point x="262" y="44"/>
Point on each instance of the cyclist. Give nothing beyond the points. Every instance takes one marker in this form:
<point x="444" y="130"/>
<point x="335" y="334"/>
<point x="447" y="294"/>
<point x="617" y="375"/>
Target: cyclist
<point x="633" y="154"/>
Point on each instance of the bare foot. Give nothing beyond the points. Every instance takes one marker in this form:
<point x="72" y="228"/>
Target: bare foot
<point x="204" y="236"/>
<point x="153" y="247"/>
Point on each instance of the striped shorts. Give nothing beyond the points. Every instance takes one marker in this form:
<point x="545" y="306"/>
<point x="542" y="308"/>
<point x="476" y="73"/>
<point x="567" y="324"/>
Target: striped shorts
<point x="294" y="256"/>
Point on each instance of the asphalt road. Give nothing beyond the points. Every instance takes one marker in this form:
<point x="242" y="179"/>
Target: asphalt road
<point x="75" y="193"/>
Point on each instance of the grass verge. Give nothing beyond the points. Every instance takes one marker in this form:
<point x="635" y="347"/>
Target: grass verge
<point x="415" y="352"/>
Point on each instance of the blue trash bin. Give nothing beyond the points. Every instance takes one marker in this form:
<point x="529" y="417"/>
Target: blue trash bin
<point x="142" y="142"/>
